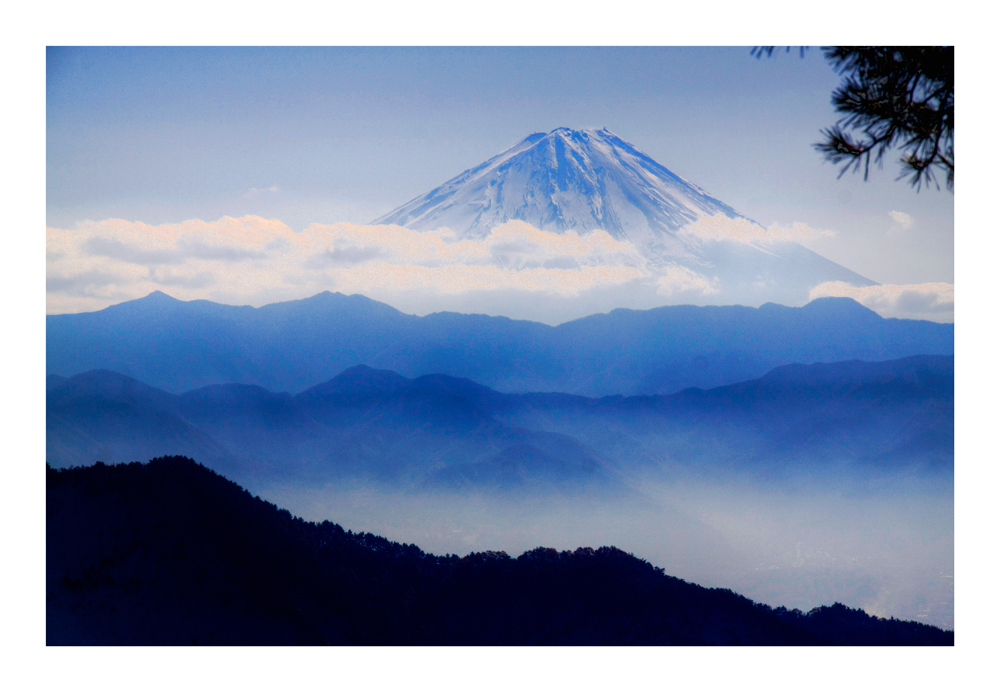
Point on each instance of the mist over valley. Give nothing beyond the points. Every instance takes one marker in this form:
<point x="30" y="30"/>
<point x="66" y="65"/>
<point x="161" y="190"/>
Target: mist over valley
<point x="814" y="484"/>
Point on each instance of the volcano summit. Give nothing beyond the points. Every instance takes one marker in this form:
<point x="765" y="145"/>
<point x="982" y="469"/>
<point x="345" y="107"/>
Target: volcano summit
<point x="578" y="180"/>
<point x="586" y="180"/>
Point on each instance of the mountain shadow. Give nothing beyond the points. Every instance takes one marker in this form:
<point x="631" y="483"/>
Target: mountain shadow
<point x="170" y="553"/>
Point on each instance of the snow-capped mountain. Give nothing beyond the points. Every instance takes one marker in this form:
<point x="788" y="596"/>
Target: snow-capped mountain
<point x="584" y="180"/>
<point x="577" y="180"/>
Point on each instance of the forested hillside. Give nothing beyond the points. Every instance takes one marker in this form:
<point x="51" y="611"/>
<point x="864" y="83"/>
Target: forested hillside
<point x="170" y="552"/>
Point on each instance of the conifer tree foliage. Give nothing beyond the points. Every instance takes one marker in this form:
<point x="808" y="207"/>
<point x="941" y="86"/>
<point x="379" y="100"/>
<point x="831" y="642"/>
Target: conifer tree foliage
<point x="892" y="97"/>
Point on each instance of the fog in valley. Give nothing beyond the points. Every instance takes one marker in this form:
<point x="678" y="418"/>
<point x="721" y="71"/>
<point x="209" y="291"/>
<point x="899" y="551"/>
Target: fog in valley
<point x="888" y="550"/>
<point x="815" y="484"/>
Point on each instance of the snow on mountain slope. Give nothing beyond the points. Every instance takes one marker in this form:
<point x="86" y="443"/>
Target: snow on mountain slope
<point x="585" y="180"/>
<point x="560" y="181"/>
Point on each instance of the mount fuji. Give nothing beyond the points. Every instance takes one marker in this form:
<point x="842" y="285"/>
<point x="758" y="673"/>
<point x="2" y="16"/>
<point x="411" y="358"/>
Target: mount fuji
<point x="560" y="181"/>
<point x="586" y="180"/>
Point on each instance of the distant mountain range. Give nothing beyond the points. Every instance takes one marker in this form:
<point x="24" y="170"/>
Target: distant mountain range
<point x="178" y="346"/>
<point x="582" y="180"/>
<point x="438" y="432"/>
<point x="169" y="553"/>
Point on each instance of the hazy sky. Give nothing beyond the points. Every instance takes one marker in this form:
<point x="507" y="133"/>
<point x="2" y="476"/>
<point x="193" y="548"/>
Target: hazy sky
<point x="326" y="135"/>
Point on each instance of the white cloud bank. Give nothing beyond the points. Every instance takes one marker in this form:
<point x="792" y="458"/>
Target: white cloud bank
<point x="931" y="301"/>
<point x="252" y="260"/>
<point x="721" y="227"/>
<point x="676" y="279"/>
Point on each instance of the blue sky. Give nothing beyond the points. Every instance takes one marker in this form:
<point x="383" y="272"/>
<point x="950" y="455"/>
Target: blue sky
<point x="321" y="135"/>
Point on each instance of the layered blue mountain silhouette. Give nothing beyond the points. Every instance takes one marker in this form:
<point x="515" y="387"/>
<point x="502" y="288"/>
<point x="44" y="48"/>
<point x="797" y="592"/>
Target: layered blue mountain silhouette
<point x="337" y="391"/>
<point x="178" y="346"/>
<point x="442" y="433"/>
<point x="584" y="180"/>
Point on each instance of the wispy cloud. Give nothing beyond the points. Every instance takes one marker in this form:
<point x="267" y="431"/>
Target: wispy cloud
<point x="901" y="220"/>
<point x="257" y="260"/>
<point x="721" y="227"/>
<point x="254" y="191"/>
<point x="183" y="279"/>
<point x="114" y="249"/>
<point x="677" y="279"/>
<point x="345" y="256"/>
<point x="84" y="283"/>
<point x="914" y="301"/>
<point x="198" y="249"/>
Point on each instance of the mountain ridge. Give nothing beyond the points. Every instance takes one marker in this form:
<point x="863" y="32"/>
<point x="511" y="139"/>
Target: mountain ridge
<point x="367" y="423"/>
<point x="170" y="553"/>
<point x="294" y="345"/>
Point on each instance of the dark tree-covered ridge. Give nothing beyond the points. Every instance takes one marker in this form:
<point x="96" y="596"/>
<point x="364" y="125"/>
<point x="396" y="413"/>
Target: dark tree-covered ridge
<point x="170" y="553"/>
